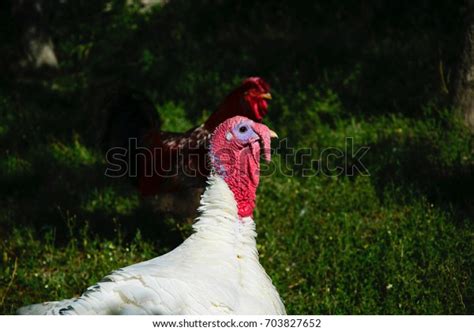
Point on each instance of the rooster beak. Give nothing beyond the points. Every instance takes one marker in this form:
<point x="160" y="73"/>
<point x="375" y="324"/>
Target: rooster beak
<point x="273" y="134"/>
<point x="266" y="96"/>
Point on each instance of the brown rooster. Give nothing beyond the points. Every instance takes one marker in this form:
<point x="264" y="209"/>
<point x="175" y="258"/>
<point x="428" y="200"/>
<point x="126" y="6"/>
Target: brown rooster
<point x="168" y="162"/>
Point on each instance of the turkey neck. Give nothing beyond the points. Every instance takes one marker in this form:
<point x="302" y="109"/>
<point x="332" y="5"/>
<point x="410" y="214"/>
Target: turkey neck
<point x="219" y="219"/>
<point x="218" y="205"/>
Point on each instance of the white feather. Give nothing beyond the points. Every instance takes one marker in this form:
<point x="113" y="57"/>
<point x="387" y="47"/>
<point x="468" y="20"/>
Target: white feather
<point x="215" y="271"/>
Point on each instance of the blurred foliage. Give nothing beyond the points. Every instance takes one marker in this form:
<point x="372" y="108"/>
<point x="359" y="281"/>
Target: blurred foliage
<point x="396" y="242"/>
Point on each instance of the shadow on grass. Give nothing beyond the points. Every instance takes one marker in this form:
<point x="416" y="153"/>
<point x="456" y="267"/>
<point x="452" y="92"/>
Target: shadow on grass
<point x="419" y="167"/>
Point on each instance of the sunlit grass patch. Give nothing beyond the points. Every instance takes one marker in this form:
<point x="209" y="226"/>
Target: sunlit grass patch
<point x="337" y="247"/>
<point x="35" y="267"/>
<point x="110" y="202"/>
<point x="73" y="154"/>
<point x="174" y="117"/>
<point x="15" y="166"/>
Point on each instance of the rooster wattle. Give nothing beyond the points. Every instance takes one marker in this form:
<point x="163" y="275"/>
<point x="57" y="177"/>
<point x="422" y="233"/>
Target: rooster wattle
<point x="217" y="269"/>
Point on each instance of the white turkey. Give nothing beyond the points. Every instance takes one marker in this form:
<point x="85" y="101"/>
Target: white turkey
<point x="217" y="269"/>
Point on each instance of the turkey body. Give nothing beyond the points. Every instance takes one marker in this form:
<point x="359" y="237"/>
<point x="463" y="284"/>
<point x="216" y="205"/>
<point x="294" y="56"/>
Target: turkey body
<point x="215" y="271"/>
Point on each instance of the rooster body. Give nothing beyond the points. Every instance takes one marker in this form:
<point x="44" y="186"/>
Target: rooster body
<point x="176" y="161"/>
<point x="168" y="162"/>
<point x="215" y="271"/>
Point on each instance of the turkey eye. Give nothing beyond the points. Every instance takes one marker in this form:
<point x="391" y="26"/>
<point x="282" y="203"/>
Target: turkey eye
<point x="243" y="129"/>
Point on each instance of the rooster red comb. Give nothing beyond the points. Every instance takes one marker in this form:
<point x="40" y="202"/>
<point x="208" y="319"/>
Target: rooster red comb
<point x="256" y="82"/>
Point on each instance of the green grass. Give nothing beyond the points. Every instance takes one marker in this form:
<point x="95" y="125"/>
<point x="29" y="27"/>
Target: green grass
<point x="332" y="245"/>
<point x="337" y="249"/>
<point x="399" y="241"/>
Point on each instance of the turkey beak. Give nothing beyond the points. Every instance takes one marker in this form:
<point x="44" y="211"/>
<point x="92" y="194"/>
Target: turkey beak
<point x="267" y="96"/>
<point x="265" y="135"/>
